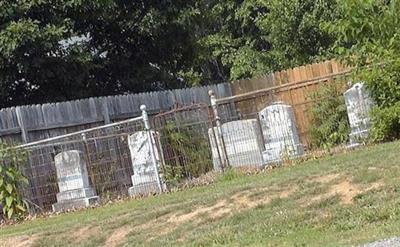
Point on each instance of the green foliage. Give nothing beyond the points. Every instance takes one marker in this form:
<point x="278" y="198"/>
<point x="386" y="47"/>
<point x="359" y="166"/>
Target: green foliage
<point x="386" y="123"/>
<point x="368" y="37"/>
<point x="10" y="180"/>
<point x="186" y="153"/>
<point x="329" y="125"/>
<point x="98" y="47"/>
<point x="250" y="38"/>
<point x="293" y="29"/>
<point x="233" y="42"/>
<point x="229" y="175"/>
<point x="105" y="47"/>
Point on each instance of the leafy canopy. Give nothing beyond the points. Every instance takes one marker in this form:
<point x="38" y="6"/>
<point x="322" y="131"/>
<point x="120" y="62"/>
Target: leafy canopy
<point x="368" y="34"/>
<point x="52" y="50"/>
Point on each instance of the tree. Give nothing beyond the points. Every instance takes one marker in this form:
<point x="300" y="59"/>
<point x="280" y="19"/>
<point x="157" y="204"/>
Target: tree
<point x="368" y="38"/>
<point x="52" y="50"/>
<point x="294" y="30"/>
<point x="255" y="37"/>
<point x="57" y="50"/>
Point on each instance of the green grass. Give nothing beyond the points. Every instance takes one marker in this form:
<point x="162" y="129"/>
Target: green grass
<point x="288" y="206"/>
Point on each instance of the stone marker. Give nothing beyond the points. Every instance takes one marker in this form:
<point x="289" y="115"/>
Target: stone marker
<point x="280" y="133"/>
<point x="73" y="182"/>
<point x="358" y="103"/>
<point x="145" y="176"/>
<point x="243" y="143"/>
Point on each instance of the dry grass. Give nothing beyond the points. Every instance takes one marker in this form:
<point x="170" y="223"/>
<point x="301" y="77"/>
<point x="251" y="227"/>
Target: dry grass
<point x="346" y="199"/>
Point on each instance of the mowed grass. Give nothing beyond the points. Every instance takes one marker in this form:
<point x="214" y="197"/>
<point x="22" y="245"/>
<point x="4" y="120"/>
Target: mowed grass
<point x="341" y="200"/>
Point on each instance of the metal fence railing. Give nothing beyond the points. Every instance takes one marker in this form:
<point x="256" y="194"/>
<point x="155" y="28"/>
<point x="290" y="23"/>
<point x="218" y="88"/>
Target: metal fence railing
<point x="273" y="125"/>
<point x="85" y="167"/>
<point x="141" y="156"/>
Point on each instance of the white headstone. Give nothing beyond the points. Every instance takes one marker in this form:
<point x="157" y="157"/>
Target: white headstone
<point x="145" y="175"/>
<point x="243" y="143"/>
<point x="358" y="103"/>
<point x="73" y="182"/>
<point x="280" y="133"/>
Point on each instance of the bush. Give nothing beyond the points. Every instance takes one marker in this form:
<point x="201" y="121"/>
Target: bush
<point x="368" y="39"/>
<point x="386" y="123"/>
<point x="329" y="124"/>
<point x="186" y="153"/>
<point x="383" y="82"/>
<point x="10" y="180"/>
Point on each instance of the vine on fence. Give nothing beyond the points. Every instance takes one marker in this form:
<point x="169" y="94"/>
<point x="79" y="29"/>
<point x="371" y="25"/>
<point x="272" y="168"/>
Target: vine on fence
<point x="11" y="178"/>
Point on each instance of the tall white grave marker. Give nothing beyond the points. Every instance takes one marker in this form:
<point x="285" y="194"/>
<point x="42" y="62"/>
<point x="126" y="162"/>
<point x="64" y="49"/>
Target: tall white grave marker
<point x="73" y="182"/>
<point x="358" y="103"/>
<point x="280" y="134"/>
<point x="145" y="176"/>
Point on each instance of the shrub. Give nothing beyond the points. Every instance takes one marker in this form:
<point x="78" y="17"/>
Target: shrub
<point x="229" y="175"/>
<point x="329" y="124"/>
<point x="368" y="39"/>
<point x="11" y="179"/>
<point x="186" y="153"/>
<point x="386" y="123"/>
<point x="383" y="82"/>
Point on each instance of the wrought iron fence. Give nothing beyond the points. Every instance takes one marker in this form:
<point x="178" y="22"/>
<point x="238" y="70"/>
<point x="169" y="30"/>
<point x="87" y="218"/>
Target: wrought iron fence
<point x="184" y="141"/>
<point x="83" y="167"/>
<point x="139" y="157"/>
<point x="275" y="125"/>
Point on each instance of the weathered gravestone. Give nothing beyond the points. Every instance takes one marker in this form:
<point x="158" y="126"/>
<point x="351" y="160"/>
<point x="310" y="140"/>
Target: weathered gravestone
<point x="358" y="103"/>
<point x="243" y="144"/>
<point x="73" y="182"/>
<point x="280" y="133"/>
<point x="145" y="178"/>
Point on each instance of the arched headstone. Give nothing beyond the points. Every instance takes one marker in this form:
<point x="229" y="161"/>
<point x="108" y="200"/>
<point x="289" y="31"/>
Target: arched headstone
<point x="359" y="104"/>
<point x="280" y="133"/>
<point x="73" y="182"/>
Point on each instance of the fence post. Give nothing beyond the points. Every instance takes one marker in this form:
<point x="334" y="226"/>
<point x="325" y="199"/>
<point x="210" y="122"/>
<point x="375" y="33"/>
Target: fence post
<point x="21" y="123"/>
<point x="150" y="140"/>
<point x="219" y="137"/>
<point x="104" y="110"/>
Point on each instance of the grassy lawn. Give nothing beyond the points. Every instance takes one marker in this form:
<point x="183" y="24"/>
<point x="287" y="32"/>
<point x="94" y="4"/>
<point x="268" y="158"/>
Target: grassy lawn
<point x="346" y="199"/>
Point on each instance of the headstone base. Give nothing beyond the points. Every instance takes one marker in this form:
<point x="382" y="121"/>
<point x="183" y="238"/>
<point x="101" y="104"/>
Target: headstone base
<point x="75" y="194"/>
<point x="357" y="138"/>
<point x="144" y="189"/>
<point x="274" y="155"/>
<point x="75" y="204"/>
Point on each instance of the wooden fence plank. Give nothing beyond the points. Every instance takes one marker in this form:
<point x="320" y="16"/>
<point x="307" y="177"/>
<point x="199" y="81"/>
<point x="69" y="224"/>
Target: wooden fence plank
<point x="48" y="120"/>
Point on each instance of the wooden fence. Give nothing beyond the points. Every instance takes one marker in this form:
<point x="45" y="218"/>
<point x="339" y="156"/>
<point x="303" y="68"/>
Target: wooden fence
<point x="293" y="86"/>
<point x="35" y="122"/>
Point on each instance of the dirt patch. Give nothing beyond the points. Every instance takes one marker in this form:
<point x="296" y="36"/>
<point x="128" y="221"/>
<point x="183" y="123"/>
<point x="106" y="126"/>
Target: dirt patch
<point x="117" y="237"/>
<point x="346" y="190"/>
<point x="287" y="192"/>
<point x="326" y="179"/>
<point x="236" y="203"/>
<point x="20" y="241"/>
<point x="84" y="233"/>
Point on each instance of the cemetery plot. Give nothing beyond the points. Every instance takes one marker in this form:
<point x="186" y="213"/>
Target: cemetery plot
<point x="81" y="168"/>
<point x="346" y="199"/>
